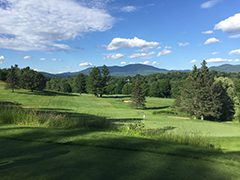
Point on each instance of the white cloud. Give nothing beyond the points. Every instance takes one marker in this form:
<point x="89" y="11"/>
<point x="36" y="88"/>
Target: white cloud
<point x="56" y="59"/>
<point x="183" y="44"/>
<point x="230" y="25"/>
<point x="219" y="60"/>
<point x="42" y="25"/>
<point x="164" y="52"/>
<point x="235" y="52"/>
<point x="42" y="59"/>
<point x="2" y="59"/>
<point x="193" y="61"/>
<point x="207" y="32"/>
<point x="235" y="36"/>
<point x="118" y="43"/>
<point x="211" y="41"/>
<point x="142" y="55"/>
<point x="149" y="63"/>
<point x="214" y="53"/>
<point x="144" y="62"/>
<point x="124" y="63"/>
<point x="27" y="57"/>
<point x="85" y="64"/>
<point x="128" y="9"/>
<point x="168" y="47"/>
<point x="209" y="4"/>
<point x="114" y="56"/>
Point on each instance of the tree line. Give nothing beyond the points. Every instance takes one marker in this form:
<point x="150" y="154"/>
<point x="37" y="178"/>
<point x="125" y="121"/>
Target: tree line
<point x="25" y="78"/>
<point x="201" y="93"/>
<point x="99" y="82"/>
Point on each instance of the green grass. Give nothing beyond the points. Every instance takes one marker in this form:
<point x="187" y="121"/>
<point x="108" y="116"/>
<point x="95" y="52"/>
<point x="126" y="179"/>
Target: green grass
<point x="30" y="152"/>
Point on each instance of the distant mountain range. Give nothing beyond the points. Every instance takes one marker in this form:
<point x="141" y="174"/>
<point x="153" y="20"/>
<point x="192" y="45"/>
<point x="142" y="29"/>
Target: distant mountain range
<point x="134" y="69"/>
<point x="228" y="68"/>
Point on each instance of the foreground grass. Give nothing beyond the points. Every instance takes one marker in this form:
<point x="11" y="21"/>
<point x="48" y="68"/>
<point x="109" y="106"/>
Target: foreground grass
<point x="82" y="154"/>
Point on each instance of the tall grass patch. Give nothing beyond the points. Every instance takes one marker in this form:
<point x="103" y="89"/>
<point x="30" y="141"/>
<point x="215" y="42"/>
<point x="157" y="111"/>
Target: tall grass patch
<point x="11" y="113"/>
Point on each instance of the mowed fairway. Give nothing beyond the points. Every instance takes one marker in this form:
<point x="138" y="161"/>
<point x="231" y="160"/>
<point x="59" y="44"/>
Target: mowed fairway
<point x="48" y="153"/>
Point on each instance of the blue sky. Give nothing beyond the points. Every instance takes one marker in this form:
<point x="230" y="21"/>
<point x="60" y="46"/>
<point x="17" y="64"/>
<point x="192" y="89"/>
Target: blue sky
<point x="71" y="35"/>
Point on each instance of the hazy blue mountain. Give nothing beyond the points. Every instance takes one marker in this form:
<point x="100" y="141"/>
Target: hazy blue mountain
<point x="134" y="69"/>
<point x="226" y="68"/>
<point x="128" y="70"/>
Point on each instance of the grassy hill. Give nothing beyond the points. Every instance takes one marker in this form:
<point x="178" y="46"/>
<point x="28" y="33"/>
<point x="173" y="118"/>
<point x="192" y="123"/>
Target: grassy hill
<point x="38" y="152"/>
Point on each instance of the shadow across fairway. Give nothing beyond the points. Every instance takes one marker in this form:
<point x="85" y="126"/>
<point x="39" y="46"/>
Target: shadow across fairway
<point x="126" y="120"/>
<point x="116" y="96"/>
<point x="9" y="103"/>
<point x="47" y="93"/>
<point x="157" y="108"/>
<point x="107" y="158"/>
<point x="54" y="109"/>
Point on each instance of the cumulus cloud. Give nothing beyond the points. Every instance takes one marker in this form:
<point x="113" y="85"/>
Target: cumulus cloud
<point x="183" y="44"/>
<point x="214" y="53"/>
<point x="85" y="64"/>
<point x="27" y="57"/>
<point x="207" y="32"/>
<point x="235" y="36"/>
<point x="149" y="63"/>
<point x="230" y="25"/>
<point x="43" y="25"/>
<point x="209" y="4"/>
<point x="114" y="56"/>
<point x="123" y="63"/>
<point x="144" y="62"/>
<point x="128" y="9"/>
<point x="220" y="60"/>
<point x="42" y="59"/>
<point x="193" y="61"/>
<point x="164" y="52"/>
<point x="211" y="41"/>
<point x="168" y="47"/>
<point x="142" y="55"/>
<point x="235" y="52"/>
<point x="56" y="59"/>
<point x="118" y="43"/>
<point x="2" y="59"/>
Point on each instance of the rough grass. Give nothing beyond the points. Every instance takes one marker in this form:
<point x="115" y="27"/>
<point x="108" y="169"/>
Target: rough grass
<point x="15" y="114"/>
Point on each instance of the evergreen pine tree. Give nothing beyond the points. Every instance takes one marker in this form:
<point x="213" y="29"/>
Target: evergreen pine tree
<point x="80" y="83"/>
<point x="13" y="78"/>
<point x="94" y="81"/>
<point x="205" y="99"/>
<point x="105" y="80"/>
<point x="138" y="94"/>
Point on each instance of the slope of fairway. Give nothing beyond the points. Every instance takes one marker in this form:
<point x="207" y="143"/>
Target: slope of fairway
<point x="117" y="108"/>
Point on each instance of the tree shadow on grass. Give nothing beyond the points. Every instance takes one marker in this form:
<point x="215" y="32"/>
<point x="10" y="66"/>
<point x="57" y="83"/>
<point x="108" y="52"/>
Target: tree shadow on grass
<point x="9" y="103"/>
<point x="31" y="157"/>
<point x="54" y="109"/>
<point x="116" y="96"/>
<point x="47" y="93"/>
<point x="157" y="108"/>
<point x="122" y="120"/>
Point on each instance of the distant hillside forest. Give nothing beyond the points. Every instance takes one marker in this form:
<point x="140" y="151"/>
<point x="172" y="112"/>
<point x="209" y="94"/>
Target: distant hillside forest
<point x="201" y="93"/>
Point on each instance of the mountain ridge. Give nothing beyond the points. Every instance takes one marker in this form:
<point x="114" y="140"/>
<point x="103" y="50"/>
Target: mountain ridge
<point x="142" y="69"/>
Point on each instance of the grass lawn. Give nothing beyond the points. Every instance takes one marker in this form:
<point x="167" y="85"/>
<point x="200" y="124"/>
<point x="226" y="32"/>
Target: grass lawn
<point x="48" y="153"/>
